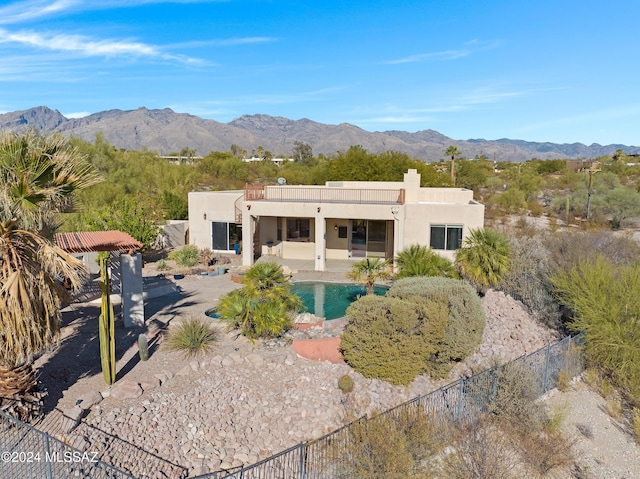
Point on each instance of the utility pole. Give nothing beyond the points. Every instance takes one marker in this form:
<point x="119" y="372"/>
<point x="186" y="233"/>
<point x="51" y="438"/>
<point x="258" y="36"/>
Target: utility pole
<point x="592" y="170"/>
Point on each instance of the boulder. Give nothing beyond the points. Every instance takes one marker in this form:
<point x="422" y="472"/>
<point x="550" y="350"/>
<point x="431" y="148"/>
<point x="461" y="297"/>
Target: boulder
<point x="71" y="418"/>
<point x="126" y="389"/>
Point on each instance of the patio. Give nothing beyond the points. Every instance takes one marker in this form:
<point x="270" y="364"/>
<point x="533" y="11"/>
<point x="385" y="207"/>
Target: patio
<point x="334" y="267"/>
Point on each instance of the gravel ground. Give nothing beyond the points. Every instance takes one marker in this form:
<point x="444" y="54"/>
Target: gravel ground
<point x="244" y="401"/>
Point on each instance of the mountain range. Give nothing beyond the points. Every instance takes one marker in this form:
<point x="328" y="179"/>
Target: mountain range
<point x="166" y="132"/>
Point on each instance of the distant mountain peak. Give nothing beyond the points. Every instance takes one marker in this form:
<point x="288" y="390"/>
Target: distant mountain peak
<point x="165" y="131"/>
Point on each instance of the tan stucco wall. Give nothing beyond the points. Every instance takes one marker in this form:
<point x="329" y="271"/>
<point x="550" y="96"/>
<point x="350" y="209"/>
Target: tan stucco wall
<point x="408" y="223"/>
<point x="218" y="206"/>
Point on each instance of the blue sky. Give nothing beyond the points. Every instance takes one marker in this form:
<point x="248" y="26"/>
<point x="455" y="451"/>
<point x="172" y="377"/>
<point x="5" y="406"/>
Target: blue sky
<point x="552" y="70"/>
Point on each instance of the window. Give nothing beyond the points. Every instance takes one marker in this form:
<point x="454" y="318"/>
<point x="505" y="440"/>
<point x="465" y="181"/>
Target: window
<point x="446" y="237"/>
<point x="224" y="235"/>
<point x="298" y="229"/>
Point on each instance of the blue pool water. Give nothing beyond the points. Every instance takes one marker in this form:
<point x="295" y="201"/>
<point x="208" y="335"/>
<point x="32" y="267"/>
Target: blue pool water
<point x="330" y="300"/>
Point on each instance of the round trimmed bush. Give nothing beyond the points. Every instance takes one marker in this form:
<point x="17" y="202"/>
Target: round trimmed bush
<point x="392" y="339"/>
<point x="465" y="321"/>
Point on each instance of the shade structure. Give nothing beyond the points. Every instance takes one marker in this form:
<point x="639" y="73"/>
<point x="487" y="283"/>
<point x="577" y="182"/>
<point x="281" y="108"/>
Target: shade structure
<point x="89" y="241"/>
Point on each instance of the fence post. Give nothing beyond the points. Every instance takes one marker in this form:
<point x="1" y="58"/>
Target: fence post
<point x="494" y="389"/>
<point x="302" y="461"/>
<point x="546" y="368"/>
<point x="47" y="456"/>
<point x="460" y="399"/>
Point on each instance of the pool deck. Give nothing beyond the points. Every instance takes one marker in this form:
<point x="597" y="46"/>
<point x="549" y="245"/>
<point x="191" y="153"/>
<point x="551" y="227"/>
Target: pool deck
<point x="336" y="270"/>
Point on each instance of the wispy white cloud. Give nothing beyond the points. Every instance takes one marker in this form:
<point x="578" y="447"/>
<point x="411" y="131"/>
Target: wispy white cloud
<point x="30" y="10"/>
<point x="20" y="12"/>
<point x="237" y="105"/>
<point x="473" y="45"/>
<point x="82" y="45"/>
<point x="223" y="42"/>
<point x="444" y="55"/>
<point x="458" y="102"/>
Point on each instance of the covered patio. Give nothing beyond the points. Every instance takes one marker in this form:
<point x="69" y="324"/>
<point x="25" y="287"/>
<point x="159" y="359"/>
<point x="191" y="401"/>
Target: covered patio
<point x="308" y="265"/>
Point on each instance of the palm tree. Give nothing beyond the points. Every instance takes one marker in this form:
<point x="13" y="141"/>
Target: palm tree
<point x="368" y="271"/>
<point x="417" y="260"/>
<point x="38" y="177"/>
<point x="485" y="257"/>
<point x="264" y="307"/>
<point x="452" y="151"/>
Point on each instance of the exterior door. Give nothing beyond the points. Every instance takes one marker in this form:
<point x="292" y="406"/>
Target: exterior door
<point x="358" y="239"/>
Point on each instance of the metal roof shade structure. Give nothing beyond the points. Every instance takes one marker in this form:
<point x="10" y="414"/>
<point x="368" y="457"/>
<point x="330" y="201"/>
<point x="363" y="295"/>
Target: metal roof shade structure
<point x="95" y="241"/>
<point x="129" y="268"/>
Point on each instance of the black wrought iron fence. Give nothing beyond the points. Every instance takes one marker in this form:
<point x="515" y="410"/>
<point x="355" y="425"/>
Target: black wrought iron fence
<point x="26" y="453"/>
<point x="461" y="401"/>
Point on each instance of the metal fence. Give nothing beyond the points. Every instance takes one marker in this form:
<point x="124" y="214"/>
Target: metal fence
<point x="26" y="453"/>
<point x="461" y="401"/>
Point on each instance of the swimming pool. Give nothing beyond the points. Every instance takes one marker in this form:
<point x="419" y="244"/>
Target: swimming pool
<point x="330" y="300"/>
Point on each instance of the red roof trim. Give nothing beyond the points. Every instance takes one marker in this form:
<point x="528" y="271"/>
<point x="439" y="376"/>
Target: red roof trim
<point x="83" y="242"/>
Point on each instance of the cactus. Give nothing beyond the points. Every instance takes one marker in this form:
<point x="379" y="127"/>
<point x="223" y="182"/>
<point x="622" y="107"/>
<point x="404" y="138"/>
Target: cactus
<point x="106" y="327"/>
<point x="143" y="347"/>
<point x="345" y="384"/>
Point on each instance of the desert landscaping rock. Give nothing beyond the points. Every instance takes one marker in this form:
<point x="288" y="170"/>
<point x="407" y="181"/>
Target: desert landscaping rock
<point x="90" y="399"/>
<point x="71" y="418"/>
<point x="257" y="401"/>
<point x="246" y="401"/>
<point x="126" y="389"/>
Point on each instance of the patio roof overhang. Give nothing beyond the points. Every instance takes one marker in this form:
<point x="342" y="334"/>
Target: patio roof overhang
<point x="96" y="241"/>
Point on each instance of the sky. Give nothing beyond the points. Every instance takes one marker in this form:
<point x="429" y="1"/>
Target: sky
<point x="562" y="71"/>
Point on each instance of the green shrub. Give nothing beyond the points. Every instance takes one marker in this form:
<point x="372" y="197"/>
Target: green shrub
<point x="265" y="306"/>
<point x="465" y="316"/>
<point x="161" y="265"/>
<point x="419" y="260"/>
<point x="516" y="393"/>
<point x="603" y="297"/>
<point x="399" y="445"/>
<point x="187" y="256"/>
<point x="391" y="339"/>
<point x="192" y="337"/>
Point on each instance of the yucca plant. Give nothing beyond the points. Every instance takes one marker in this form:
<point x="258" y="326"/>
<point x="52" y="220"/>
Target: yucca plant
<point x="187" y="256"/>
<point x="38" y="177"/>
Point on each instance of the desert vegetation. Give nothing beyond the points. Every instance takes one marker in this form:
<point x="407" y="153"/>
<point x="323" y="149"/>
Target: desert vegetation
<point x="264" y="307"/>
<point x="140" y="189"/>
<point x="39" y="178"/>
<point x="192" y="337"/>
<point x="422" y="325"/>
<point x="516" y="436"/>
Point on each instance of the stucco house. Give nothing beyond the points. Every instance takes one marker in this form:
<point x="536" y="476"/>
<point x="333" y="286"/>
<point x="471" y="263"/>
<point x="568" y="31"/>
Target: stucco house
<point x="342" y="220"/>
